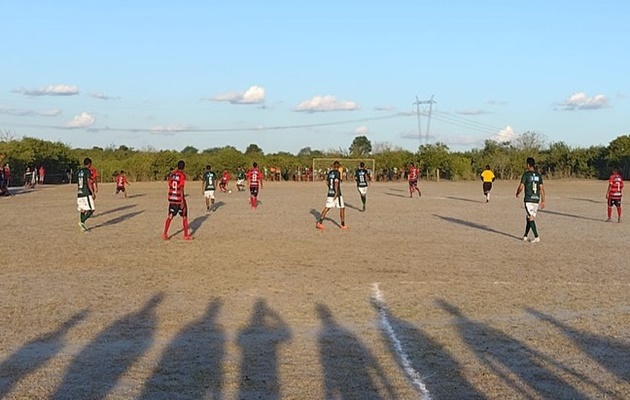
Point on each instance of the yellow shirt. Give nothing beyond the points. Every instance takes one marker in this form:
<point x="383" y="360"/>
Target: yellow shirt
<point x="487" y="176"/>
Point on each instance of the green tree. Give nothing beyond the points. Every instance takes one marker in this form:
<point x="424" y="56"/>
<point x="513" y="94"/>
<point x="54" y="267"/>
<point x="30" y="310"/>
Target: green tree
<point x="254" y="150"/>
<point x="190" y="150"/>
<point x="361" y="146"/>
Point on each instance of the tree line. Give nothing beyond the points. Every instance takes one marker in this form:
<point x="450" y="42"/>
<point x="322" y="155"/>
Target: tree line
<point x="555" y="160"/>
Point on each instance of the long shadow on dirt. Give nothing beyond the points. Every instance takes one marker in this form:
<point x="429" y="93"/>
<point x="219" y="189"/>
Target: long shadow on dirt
<point x="118" y="220"/>
<point x="35" y="353"/>
<point x="317" y="214"/>
<point x="475" y="225"/>
<point x="612" y="354"/>
<point x="350" y="370"/>
<point x="519" y="366"/>
<point x="561" y="214"/>
<point x="439" y="371"/>
<point x="113" y="210"/>
<point x="259" y="343"/>
<point x="95" y="371"/>
<point x="190" y="366"/>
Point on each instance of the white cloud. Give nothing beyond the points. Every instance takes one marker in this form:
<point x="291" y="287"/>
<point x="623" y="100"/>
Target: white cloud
<point x="81" y="121"/>
<point x="103" y="96"/>
<point x="52" y="90"/>
<point x="504" y="135"/>
<point x="29" y="113"/>
<point x="361" y="130"/>
<point x="170" y="130"/>
<point x="253" y="95"/>
<point x="326" y="103"/>
<point x="580" y="101"/>
<point x="472" y="111"/>
<point x="384" y="108"/>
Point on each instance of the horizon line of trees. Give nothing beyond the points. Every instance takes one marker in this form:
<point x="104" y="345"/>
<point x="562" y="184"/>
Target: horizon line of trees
<point x="437" y="161"/>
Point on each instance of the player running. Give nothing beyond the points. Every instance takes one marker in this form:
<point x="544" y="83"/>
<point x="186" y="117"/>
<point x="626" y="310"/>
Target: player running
<point x="225" y="178"/>
<point x="613" y="193"/>
<point x="334" y="198"/>
<point x="86" y="193"/>
<point x="362" y="176"/>
<point x="240" y="179"/>
<point x="177" y="200"/>
<point x="412" y="177"/>
<point x="532" y="184"/>
<point x="254" y="180"/>
<point x="121" y="181"/>
<point x="487" y="177"/>
<point x="208" y="186"/>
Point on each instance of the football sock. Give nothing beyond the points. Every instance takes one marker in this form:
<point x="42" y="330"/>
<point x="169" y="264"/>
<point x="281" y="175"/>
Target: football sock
<point x="167" y="224"/>
<point x="619" y="212"/>
<point x="534" y="229"/>
<point x="185" y="223"/>
<point x="609" y="212"/>
<point x="83" y="218"/>
<point x="527" y="227"/>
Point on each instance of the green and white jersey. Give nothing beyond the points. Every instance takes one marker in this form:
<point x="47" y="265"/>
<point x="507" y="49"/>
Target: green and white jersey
<point x="210" y="179"/>
<point x="532" y="181"/>
<point x="83" y="180"/>
<point x="333" y="176"/>
<point x="240" y="175"/>
<point x="361" y="176"/>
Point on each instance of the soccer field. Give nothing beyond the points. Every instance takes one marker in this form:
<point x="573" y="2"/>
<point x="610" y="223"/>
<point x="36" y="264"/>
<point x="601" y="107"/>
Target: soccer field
<point x="436" y="297"/>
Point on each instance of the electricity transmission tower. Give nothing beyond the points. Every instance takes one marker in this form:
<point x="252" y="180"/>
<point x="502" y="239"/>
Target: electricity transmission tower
<point x="417" y="103"/>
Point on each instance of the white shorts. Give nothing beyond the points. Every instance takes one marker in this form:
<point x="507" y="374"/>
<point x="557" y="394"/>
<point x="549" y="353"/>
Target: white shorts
<point x="331" y="202"/>
<point x="240" y="182"/>
<point x="531" y="209"/>
<point x="85" y="203"/>
<point x="362" y="190"/>
<point x="208" y="194"/>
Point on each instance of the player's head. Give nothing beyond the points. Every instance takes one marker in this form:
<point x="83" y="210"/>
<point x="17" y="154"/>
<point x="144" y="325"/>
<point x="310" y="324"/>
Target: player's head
<point x="181" y="164"/>
<point x="255" y="164"/>
<point x="615" y="170"/>
<point x="531" y="163"/>
<point x="362" y="164"/>
<point x="208" y="167"/>
<point x="87" y="162"/>
<point x="122" y="172"/>
<point x="336" y="164"/>
<point x="487" y="166"/>
<point x="412" y="164"/>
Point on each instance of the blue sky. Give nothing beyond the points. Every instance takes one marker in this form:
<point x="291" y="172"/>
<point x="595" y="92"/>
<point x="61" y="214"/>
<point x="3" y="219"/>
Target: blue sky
<point x="287" y="75"/>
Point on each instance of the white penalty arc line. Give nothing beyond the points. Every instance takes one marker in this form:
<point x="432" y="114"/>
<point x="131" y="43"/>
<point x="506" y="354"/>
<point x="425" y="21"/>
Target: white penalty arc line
<point x="412" y="374"/>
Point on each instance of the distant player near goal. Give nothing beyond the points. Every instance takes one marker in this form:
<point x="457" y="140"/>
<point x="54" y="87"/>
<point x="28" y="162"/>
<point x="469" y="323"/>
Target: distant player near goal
<point x="254" y="180"/>
<point x="177" y="200"/>
<point x="334" y="198"/>
<point x="86" y="193"/>
<point x="487" y="177"/>
<point x="532" y="184"/>
<point x="412" y="176"/>
<point x="362" y="176"/>
<point x="208" y="186"/>
<point x="613" y="194"/>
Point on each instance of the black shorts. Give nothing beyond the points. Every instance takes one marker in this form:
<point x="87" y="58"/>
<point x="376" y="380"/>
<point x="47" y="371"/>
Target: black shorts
<point x="120" y="189"/>
<point x="487" y="187"/>
<point x="253" y="190"/>
<point x="413" y="183"/>
<point x="178" y="208"/>
<point x="614" y="202"/>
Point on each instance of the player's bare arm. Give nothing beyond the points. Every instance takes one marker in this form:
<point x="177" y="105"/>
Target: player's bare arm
<point x="520" y="189"/>
<point x="542" y="197"/>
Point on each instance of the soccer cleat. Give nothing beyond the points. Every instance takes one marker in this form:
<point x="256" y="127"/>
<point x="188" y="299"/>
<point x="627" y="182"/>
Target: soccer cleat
<point x="619" y="220"/>
<point x="525" y="239"/>
<point x="608" y="220"/>
<point x="536" y="240"/>
<point x="165" y="236"/>
<point x="345" y="227"/>
<point x="319" y="226"/>
<point x="83" y="227"/>
<point x="188" y="237"/>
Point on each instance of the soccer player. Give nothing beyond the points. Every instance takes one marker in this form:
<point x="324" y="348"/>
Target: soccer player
<point x="254" y="180"/>
<point x="362" y="176"/>
<point x="40" y="177"/>
<point x="177" y="200"/>
<point x="412" y="177"/>
<point x="86" y="193"/>
<point x="334" y="198"/>
<point x="121" y="181"/>
<point x="208" y="186"/>
<point x="487" y="177"/>
<point x="532" y="184"/>
<point x="240" y="179"/>
<point x="613" y="193"/>
<point x="225" y="178"/>
<point x="94" y="178"/>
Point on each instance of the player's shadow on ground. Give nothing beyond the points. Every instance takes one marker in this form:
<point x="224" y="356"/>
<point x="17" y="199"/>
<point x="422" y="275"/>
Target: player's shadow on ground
<point x="191" y="365"/>
<point x="317" y="214"/>
<point x="588" y="200"/>
<point x="463" y="199"/>
<point x="133" y="196"/>
<point x="195" y="224"/>
<point x="612" y="354"/>
<point x="441" y="373"/>
<point x="95" y="371"/>
<point x="113" y="210"/>
<point x="561" y="214"/>
<point x="475" y="225"/>
<point x="519" y="366"/>
<point x="350" y="370"/>
<point x="259" y="343"/>
<point x="352" y="207"/>
<point x="118" y="220"/>
<point x="34" y="354"/>
<point x="395" y="195"/>
<point x="396" y="190"/>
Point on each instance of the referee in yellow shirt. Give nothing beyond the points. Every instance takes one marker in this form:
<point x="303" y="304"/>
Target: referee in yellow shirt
<point x="487" y="177"/>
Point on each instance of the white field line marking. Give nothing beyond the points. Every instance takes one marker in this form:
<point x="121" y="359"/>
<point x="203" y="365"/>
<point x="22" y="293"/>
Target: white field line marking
<point x="412" y="374"/>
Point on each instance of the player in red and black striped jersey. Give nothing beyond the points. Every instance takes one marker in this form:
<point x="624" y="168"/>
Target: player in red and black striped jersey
<point x="412" y="176"/>
<point x="177" y="200"/>
<point x="121" y="181"/>
<point x="613" y="194"/>
<point x="254" y="180"/>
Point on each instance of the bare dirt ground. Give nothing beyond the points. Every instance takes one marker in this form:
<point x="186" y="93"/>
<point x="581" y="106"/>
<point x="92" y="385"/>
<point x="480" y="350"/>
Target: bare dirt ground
<point x="261" y="305"/>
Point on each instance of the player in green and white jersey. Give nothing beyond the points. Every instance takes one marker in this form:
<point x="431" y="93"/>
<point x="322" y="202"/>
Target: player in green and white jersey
<point x="240" y="179"/>
<point x="532" y="185"/>
<point x="362" y="176"/>
<point x="86" y="193"/>
<point x="208" y="184"/>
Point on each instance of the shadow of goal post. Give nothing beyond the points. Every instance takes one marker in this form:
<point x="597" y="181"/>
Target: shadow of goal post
<point x="321" y="166"/>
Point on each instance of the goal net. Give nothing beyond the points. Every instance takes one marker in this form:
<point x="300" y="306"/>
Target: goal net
<point x="321" y="166"/>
